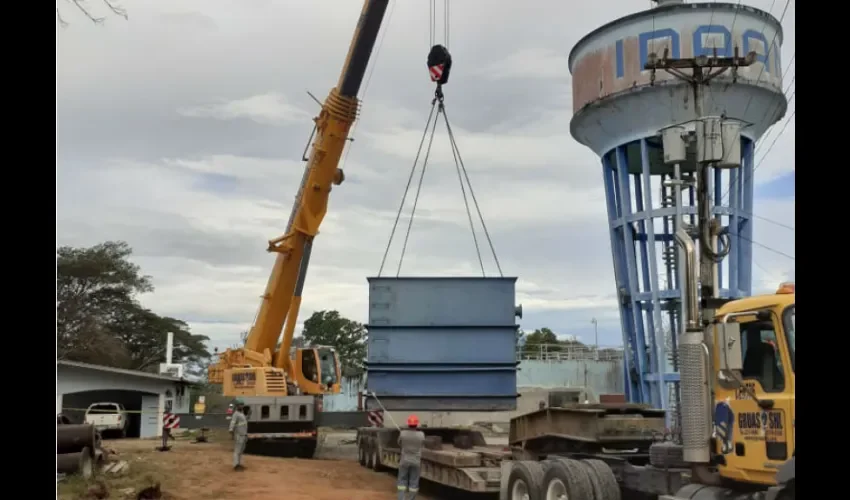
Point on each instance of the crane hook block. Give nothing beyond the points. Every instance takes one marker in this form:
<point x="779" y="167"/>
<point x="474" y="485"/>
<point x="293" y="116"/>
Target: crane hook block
<point x="439" y="64"/>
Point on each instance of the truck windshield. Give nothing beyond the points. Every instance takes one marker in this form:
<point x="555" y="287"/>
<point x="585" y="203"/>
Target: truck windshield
<point x="327" y="364"/>
<point x="790" y="333"/>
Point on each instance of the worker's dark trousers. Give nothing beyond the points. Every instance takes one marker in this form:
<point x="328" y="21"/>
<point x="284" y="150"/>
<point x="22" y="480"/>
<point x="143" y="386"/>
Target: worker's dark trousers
<point x="408" y="481"/>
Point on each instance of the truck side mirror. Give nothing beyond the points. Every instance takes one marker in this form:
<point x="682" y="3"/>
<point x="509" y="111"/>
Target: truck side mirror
<point x="729" y="341"/>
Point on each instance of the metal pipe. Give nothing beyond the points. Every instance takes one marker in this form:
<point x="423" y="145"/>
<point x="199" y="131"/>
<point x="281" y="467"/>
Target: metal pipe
<point x="169" y="346"/>
<point x="691" y="291"/>
<point x="73" y="438"/>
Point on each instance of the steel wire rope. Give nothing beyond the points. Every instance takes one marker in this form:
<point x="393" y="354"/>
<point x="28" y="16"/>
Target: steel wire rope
<point x="456" y="155"/>
<point x="407" y="187"/>
<point x="472" y="193"/>
<point x="418" y="192"/>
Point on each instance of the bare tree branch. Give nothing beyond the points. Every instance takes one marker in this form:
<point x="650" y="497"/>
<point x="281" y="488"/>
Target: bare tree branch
<point x="84" y="7"/>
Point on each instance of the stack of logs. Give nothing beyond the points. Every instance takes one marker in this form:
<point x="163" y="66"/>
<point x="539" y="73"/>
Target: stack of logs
<point x="76" y="449"/>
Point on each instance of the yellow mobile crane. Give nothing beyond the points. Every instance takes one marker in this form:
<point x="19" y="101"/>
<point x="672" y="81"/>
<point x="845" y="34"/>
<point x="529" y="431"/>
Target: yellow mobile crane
<point x="283" y="393"/>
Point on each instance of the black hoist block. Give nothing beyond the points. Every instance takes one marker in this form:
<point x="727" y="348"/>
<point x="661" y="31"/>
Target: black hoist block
<point x="439" y="64"/>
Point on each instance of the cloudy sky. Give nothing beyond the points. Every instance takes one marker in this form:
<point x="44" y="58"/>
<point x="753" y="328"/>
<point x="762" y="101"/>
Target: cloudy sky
<point x="181" y="132"/>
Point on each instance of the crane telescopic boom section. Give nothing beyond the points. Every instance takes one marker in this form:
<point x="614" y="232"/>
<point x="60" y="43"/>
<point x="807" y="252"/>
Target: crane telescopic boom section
<point x="282" y="298"/>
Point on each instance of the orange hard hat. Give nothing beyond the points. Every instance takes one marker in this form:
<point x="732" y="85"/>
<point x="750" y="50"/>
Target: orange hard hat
<point x="413" y="421"/>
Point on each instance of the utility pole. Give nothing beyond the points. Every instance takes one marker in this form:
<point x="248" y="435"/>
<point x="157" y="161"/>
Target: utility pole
<point x="698" y="72"/>
<point x="596" y="336"/>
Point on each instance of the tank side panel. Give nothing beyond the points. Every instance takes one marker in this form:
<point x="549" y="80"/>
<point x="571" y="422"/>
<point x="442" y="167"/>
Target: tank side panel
<point x="442" y="344"/>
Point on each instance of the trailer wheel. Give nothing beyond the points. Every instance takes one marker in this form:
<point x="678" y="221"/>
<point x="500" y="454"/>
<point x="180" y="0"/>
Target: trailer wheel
<point x="567" y="479"/>
<point x="525" y="481"/>
<point x="370" y="453"/>
<point x="361" y="451"/>
<point x="609" y="489"/>
<point x="377" y="466"/>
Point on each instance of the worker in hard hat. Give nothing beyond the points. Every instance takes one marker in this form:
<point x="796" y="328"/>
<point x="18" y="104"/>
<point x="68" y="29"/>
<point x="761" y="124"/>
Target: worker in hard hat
<point x="410" y="440"/>
<point x="239" y="431"/>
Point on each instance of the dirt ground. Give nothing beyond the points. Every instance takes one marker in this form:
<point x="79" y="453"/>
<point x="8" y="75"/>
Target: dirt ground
<point x="203" y="471"/>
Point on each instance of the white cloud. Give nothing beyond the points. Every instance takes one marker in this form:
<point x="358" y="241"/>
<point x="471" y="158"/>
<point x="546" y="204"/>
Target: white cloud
<point x="267" y="109"/>
<point x="529" y="63"/>
<point x="181" y="132"/>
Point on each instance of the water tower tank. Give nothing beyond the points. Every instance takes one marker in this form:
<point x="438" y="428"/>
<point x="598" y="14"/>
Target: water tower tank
<point x="640" y="128"/>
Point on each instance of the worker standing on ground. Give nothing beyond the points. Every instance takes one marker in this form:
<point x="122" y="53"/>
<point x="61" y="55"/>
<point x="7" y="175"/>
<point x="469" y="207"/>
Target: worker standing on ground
<point x="239" y="431"/>
<point x="410" y="440"/>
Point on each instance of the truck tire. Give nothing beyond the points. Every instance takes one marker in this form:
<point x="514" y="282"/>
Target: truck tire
<point x="594" y="482"/>
<point x="609" y="489"/>
<point x="667" y="455"/>
<point x="567" y="477"/>
<point x="789" y="492"/>
<point x="525" y="481"/>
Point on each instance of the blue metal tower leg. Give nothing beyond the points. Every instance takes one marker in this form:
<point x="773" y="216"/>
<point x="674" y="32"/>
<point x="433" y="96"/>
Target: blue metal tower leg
<point x="646" y="318"/>
<point x="747" y="191"/>
<point x="734" y="232"/>
<point x="627" y="235"/>
<point x="632" y="388"/>
<point x="658" y="334"/>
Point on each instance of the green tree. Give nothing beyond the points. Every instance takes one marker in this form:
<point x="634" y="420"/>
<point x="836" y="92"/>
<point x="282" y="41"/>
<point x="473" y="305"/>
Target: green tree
<point x="99" y="320"/>
<point x="346" y="336"/>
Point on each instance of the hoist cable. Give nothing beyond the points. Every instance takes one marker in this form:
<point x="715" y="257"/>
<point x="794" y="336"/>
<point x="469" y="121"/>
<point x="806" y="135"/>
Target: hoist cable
<point x="407" y="187"/>
<point x="446" y="21"/>
<point x="455" y="154"/>
<point x="432" y="6"/>
<point x="471" y="191"/>
<point x="418" y="192"/>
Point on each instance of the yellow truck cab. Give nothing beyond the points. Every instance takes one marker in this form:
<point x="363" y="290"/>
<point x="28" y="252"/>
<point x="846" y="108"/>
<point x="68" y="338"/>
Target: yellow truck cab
<point x="754" y="386"/>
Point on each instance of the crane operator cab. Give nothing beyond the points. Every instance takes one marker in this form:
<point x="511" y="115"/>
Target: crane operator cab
<point x="317" y="370"/>
<point x="754" y="386"/>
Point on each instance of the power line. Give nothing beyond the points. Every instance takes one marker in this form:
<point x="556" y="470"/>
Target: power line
<point x="767" y="50"/>
<point x="775" y="222"/>
<point x="768" y="248"/>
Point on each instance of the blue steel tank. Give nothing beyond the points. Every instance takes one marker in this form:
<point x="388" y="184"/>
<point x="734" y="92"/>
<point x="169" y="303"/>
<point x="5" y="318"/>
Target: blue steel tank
<point x="622" y="111"/>
<point x="442" y="344"/>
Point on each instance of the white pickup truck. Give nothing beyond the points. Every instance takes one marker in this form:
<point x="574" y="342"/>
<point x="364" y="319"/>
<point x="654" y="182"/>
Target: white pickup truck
<point x="108" y="417"/>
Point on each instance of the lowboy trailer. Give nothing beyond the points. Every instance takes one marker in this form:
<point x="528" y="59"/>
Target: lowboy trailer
<point x="592" y="451"/>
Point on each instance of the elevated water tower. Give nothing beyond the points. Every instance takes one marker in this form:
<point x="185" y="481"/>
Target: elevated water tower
<point x="642" y="127"/>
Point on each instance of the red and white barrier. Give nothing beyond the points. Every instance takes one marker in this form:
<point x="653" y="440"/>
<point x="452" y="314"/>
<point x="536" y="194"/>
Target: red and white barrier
<point x="376" y="418"/>
<point x="170" y="421"/>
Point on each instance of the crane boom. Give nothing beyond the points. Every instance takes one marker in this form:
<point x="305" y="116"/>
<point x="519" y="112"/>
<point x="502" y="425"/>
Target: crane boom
<point x="256" y="370"/>
<point x="282" y="297"/>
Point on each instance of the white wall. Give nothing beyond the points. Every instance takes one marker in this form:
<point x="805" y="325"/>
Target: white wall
<point x="71" y="379"/>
